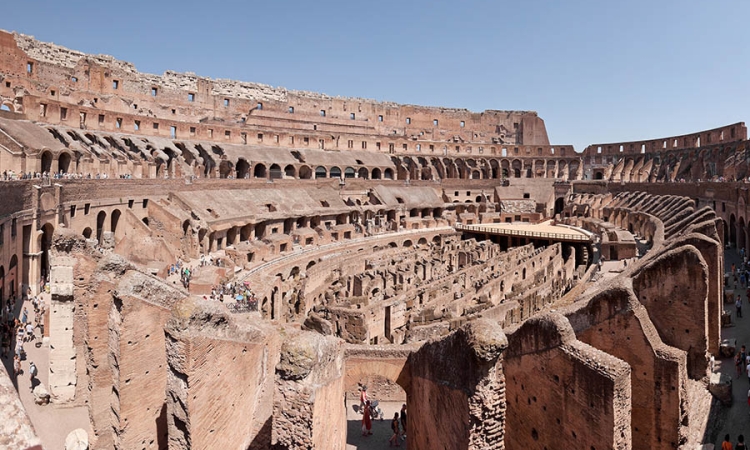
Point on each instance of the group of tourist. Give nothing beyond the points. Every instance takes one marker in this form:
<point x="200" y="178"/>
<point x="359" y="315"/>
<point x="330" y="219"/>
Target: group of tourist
<point x="398" y="423"/>
<point x="24" y="328"/>
<point x="727" y="444"/>
<point x="10" y="175"/>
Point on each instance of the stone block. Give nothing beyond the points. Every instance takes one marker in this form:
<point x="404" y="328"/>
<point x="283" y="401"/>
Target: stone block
<point x="726" y="319"/>
<point x="728" y="348"/>
<point x="41" y="396"/>
<point x="720" y="386"/>
<point x="78" y="439"/>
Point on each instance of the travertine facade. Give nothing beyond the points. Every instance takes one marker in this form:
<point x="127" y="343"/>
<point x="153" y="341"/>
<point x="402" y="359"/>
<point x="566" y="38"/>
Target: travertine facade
<point x="347" y="220"/>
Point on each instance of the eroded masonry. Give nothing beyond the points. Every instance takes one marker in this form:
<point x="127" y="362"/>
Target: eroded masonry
<point x="429" y="253"/>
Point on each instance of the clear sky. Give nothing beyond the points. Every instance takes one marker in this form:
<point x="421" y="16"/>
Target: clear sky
<point x="595" y="71"/>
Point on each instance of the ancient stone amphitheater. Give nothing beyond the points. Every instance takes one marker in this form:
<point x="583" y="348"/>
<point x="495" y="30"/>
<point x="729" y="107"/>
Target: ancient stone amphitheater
<point x="368" y="243"/>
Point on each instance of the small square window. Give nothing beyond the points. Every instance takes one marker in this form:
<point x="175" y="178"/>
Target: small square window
<point x="191" y="97"/>
<point x="174" y="111"/>
<point x="63" y="113"/>
<point x="259" y="106"/>
<point x="435" y="122"/>
<point x="352" y="116"/>
<point x="29" y="67"/>
<point x="227" y="134"/>
<point x="260" y="137"/>
<point x="173" y="132"/>
<point x="115" y="84"/>
<point x="192" y="131"/>
<point x="408" y="120"/>
<point x="463" y="124"/>
<point x="306" y="140"/>
<point x="137" y="125"/>
<point x="380" y="118"/>
<point x="74" y="79"/>
<point x="154" y="91"/>
<point x="226" y="102"/>
<point x="156" y="125"/>
<point x="118" y="123"/>
<point x="101" y="118"/>
<point x="322" y="113"/>
<point x="291" y="110"/>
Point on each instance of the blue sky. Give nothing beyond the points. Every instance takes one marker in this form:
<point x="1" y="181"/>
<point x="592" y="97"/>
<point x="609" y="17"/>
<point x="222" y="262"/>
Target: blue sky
<point x="595" y="71"/>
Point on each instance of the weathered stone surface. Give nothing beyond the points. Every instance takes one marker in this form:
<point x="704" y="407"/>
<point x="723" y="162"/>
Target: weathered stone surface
<point x="41" y="395"/>
<point x="720" y="385"/>
<point x="77" y="439"/>
<point x="728" y="348"/>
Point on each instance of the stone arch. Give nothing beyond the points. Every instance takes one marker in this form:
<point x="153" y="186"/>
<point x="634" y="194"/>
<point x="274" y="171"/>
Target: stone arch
<point x="388" y="174"/>
<point x="63" y="162"/>
<point x="259" y="171"/>
<point x="305" y="173"/>
<point x="289" y="171"/>
<point x="243" y="168"/>
<point x="376" y="173"/>
<point x="87" y="232"/>
<point x="100" y="219"/>
<point x="349" y="172"/>
<point x="362" y="173"/>
<point x="275" y="172"/>
<point x="46" y="161"/>
<point x="335" y="172"/>
<point x="114" y="219"/>
<point x="321" y="172"/>
<point x="225" y="168"/>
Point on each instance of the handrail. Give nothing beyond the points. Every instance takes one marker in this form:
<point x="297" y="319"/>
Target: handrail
<point x="526" y="233"/>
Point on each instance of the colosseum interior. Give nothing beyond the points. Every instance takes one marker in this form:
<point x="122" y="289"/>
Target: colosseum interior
<point x="512" y="293"/>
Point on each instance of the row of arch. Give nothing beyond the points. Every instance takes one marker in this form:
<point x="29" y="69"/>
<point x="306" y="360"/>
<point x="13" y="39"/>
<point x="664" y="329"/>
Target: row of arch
<point x="245" y="169"/>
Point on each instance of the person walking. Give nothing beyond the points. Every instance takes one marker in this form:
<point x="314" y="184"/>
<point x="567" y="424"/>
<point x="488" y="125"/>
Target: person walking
<point x="403" y="421"/>
<point x="738" y="363"/>
<point x="394" y="440"/>
<point x="32" y="374"/>
<point x="740" y="443"/>
<point x="366" y="420"/>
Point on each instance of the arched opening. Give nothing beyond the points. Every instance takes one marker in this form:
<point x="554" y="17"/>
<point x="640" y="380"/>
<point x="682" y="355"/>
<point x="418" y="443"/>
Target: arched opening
<point x="47" y="231"/>
<point x="243" y="169"/>
<point x="305" y="173"/>
<point x="598" y="175"/>
<point x="100" y="218"/>
<point x="321" y="172"/>
<point x="407" y="243"/>
<point x="289" y="171"/>
<point x="335" y="172"/>
<point x="259" y="171"/>
<point x="64" y="163"/>
<point x="114" y="219"/>
<point x="362" y="173"/>
<point x="559" y="205"/>
<point x="185" y="227"/>
<point x="388" y="174"/>
<point x="87" y="232"/>
<point x="46" y="161"/>
<point x="376" y="174"/>
<point x="349" y="172"/>
<point x="275" y="172"/>
<point x="225" y="169"/>
<point x="12" y="275"/>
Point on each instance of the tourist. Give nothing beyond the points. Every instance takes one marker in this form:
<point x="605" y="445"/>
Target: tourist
<point x="727" y="444"/>
<point x="24" y="316"/>
<point x="16" y="366"/>
<point x="403" y="421"/>
<point x="738" y="305"/>
<point x="394" y="440"/>
<point x="29" y="332"/>
<point x="32" y="374"/>
<point x="366" y="421"/>
<point x="740" y="443"/>
<point x="363" y="399"/>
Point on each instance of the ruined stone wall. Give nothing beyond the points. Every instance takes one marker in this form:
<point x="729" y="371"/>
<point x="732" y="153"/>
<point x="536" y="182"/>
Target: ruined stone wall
<point x="457" y="391"/>
<point x="562" y="393"/>
<point x="613" y="321"/>
<point x="17" y="430"/>
<point x="220" y="381"/>
<point x="308" y="407"/>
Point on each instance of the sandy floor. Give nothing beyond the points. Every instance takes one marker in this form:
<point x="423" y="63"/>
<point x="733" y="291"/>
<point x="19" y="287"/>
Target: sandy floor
<point x="381" y="429"/>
